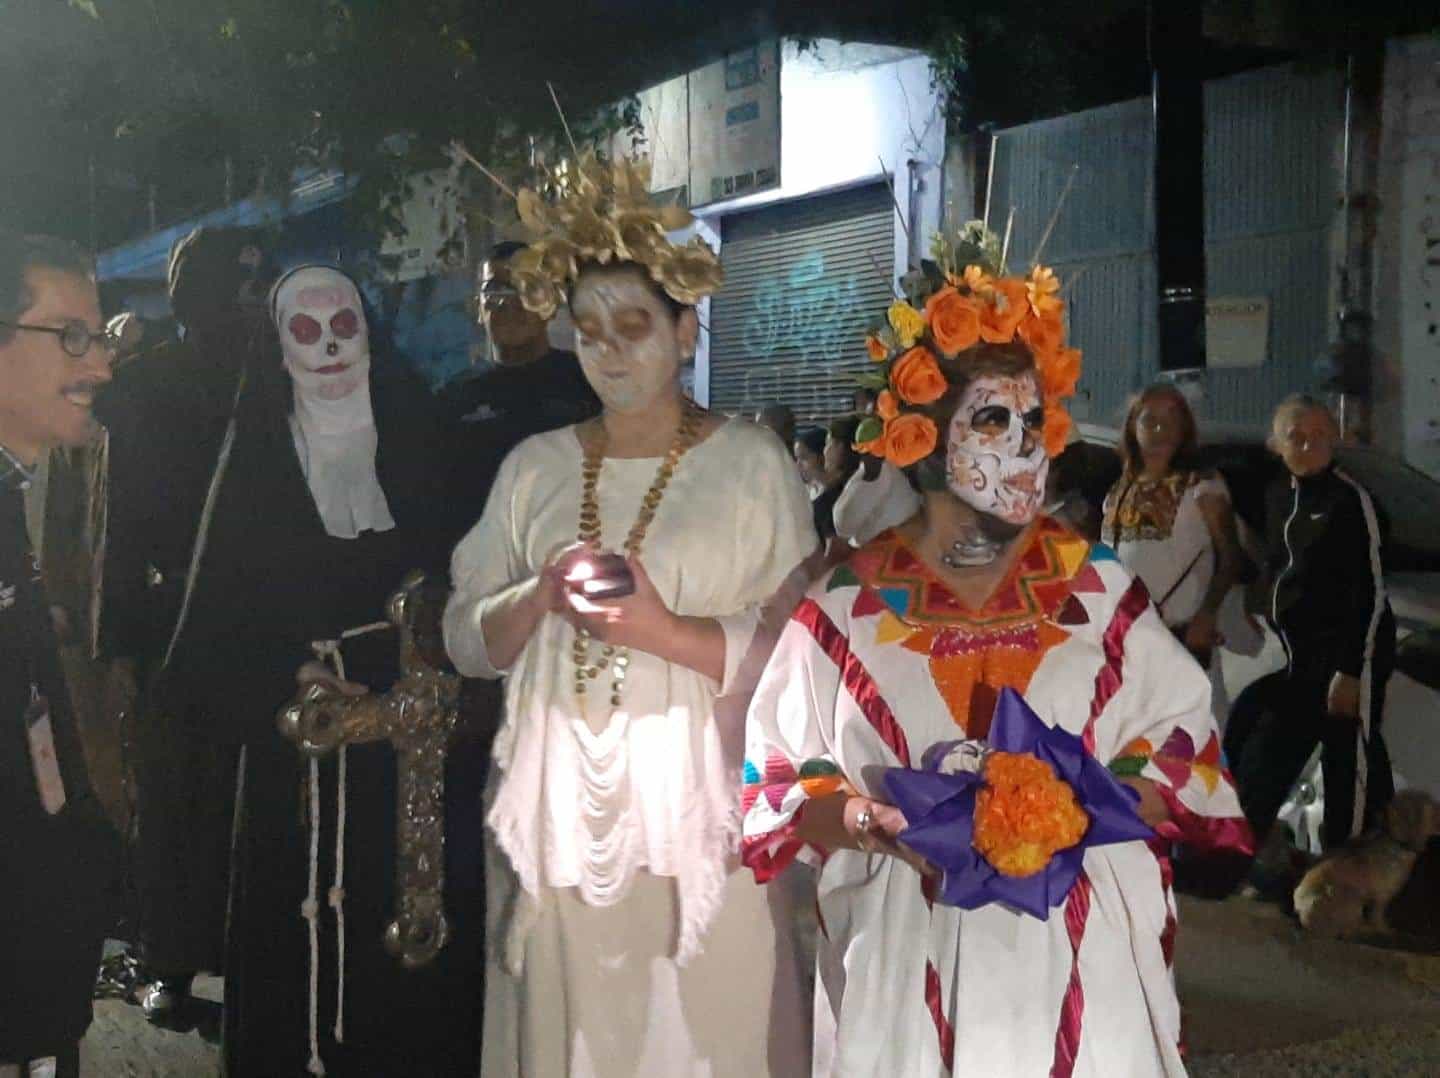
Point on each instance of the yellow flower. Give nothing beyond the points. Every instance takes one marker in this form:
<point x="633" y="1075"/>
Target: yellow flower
<point x="978" y="281"/>
<point x="1041" y="289"/>
<point x="907" y="322"/>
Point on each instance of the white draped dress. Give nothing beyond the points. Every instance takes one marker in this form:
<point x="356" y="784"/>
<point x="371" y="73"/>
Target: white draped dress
<point x="623" y="938"/>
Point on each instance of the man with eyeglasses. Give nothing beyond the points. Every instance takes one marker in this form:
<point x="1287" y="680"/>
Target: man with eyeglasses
<point x="56" y="850"/>
<point x="530" y="387"/>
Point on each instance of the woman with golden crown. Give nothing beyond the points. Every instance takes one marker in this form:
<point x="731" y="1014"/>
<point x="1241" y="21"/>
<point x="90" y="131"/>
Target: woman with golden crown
<point x="617" y="582"/>
<point x="981" y="729"/>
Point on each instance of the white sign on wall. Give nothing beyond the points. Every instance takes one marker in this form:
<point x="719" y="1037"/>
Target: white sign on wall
<point x="716" y="132"/>
<point x="1237" y="331"/>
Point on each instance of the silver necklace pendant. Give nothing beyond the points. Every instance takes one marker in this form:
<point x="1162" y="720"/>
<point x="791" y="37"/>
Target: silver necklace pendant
<point x="972" y="548"/>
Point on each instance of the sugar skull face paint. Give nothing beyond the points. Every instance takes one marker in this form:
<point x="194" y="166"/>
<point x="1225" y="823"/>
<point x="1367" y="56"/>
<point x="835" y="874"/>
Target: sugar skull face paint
<point x="323" y="336"/>
<point x="630" y="345"/>
<point x="995" y="449"/>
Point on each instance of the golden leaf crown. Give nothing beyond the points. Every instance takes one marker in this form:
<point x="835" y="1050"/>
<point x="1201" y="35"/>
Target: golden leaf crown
<point x="957" y="302"/>
<point x="587" y="210"/>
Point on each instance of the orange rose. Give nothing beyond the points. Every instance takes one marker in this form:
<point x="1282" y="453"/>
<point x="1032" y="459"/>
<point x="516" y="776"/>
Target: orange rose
<point x="886" y="407"/>
<point x="1057" y="427"/>
<point x="954" y="321"/>
<point x="875" y="348"/>
<point x="999" y="319"/>
<point x="909" y="437"/>
<point x="916" y="377"/>
<point x="1043" y="333"/>
<point x="1059" y="371"/>
<point x="875" y="447"/>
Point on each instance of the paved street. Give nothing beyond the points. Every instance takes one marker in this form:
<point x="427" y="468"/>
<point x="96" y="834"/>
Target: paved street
<point x="1262" y="1001"/>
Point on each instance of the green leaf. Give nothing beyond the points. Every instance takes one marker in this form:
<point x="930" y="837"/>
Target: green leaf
<point x="872" y="380"/>
<point x="87" y="6"/>
<point x="869" y="429"/>
<point x="1128" y="766"/>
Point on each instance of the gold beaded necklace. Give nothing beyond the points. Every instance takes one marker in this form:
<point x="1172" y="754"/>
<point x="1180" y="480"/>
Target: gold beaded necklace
<point x="617" y="660"/>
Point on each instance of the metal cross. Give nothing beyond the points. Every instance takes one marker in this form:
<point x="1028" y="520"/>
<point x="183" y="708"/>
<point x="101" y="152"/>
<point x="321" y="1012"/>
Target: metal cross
<point x="417" y="716"/>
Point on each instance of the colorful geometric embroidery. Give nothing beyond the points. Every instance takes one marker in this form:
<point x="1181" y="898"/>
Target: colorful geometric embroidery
<point x="1038" y="583"/>
<point x="815" y="778"/>
<point x="1176" y="759"/>
<point x="973" y="654"/>
<point x="1145" y="510"/>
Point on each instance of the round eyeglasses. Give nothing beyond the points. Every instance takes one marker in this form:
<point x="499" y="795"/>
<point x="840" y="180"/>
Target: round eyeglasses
<point x="76" y="338"/>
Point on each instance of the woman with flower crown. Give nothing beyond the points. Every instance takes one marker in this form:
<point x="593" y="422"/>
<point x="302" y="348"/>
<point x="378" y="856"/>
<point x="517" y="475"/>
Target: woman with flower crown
<point x="624" y="937"/>
<point x="1015" y="923"/>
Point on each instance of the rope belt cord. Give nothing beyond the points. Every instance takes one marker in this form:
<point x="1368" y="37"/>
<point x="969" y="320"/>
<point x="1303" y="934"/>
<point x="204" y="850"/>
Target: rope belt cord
<point x="328" y="651"/>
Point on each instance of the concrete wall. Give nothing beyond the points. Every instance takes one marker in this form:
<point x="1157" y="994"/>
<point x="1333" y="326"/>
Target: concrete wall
<point x="1407" y="291"/>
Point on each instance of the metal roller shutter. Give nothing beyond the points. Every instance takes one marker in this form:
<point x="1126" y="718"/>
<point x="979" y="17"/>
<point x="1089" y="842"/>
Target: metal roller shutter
<point x="803" y="281"/>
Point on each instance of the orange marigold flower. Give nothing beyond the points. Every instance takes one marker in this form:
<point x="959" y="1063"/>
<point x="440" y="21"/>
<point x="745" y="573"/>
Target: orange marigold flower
<point x="1059" y="371"/>
<point x="886" y="407"/>
<point x="954" y="321"/>
<point x="875" y="347"/>
<point x="1042" y="289"/>
<point x="1000" y="318"/>
<point x="916" y="377"/>
<point x="909" y="437"/>
<point x="1057" y="427"/>
<point x="1043" y="333"/>
<point x="1025" y="814"/>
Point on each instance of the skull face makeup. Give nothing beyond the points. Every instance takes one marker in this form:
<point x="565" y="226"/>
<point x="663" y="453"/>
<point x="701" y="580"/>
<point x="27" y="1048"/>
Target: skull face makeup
<point x="995" y="457"/>
<point x="323" y="335"/>
<point x="629" y="343"/>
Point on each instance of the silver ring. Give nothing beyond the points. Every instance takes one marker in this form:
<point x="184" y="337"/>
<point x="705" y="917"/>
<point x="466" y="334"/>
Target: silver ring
<point x="863" y="819"/>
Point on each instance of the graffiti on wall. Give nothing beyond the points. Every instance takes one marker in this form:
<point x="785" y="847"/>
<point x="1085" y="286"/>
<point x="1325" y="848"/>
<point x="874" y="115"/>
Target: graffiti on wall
<point x="806" y="311"/>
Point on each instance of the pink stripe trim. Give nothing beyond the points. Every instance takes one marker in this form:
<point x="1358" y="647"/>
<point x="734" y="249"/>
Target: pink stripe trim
<point x="1072" y="1007"/>
<point x="1110" y="676"/>
<point x="1203" y="834"/>
<point x="857" y="679"/>
<point x="943" y="1030"/>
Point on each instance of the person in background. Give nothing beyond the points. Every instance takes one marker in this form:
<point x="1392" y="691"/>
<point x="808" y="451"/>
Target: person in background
<point x="1171" y="522"/>
<point x="167" y="413"/>
<point x="531" y="387"/>
<point x="1324" y="594"/>
<point x="809" y="453"/>
<point x="779" y="418"/>
<point x="56" y="850"/>
<point x="840" y="461"/>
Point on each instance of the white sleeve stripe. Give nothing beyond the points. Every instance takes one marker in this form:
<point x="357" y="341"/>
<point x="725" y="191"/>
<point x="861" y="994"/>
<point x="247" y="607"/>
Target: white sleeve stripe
<point x="1372" y="526"/>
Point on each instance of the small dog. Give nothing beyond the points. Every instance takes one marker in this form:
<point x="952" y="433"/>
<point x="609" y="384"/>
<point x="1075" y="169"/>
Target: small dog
<point x="1347" y="892"/>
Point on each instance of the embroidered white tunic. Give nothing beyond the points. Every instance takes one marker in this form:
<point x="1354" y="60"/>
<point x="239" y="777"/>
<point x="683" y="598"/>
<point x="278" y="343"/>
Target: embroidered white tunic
<point x="616" y="835"/>
<point x="879" y="663"/>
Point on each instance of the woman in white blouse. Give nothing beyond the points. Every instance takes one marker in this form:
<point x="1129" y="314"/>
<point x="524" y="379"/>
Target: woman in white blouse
<point x="1171" y="523"/>
<point x="622" y="941"/>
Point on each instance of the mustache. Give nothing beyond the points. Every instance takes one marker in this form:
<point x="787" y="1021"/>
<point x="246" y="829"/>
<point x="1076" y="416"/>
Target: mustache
<point x="88" y="383"/>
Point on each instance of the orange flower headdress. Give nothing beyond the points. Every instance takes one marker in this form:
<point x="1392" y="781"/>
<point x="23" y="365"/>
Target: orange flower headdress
<point x="588" y="210"/>
<point x="955" y="302"/>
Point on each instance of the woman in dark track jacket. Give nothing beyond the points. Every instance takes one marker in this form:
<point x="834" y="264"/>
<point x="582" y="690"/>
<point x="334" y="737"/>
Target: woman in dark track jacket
<point x="1326" y="599"/>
